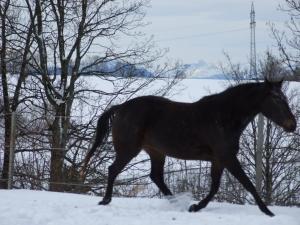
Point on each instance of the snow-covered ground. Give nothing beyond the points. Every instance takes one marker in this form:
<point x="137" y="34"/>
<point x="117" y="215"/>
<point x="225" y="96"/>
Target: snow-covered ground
<point x="24" y="207"/>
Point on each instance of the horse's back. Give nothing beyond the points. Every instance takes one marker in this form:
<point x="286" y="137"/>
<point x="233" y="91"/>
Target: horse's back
<point x="140" y="111"/>
<point x="132" y="117"/>
<point x="145" y="109"/>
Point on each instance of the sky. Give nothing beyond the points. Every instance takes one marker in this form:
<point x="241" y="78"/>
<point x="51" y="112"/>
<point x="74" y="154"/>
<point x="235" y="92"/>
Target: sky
<point x="199" y="31"/>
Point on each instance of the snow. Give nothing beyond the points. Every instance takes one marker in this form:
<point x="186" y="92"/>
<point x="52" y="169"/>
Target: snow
<point x="59" y="101"/>
<point x="190" y="90"/>
<point x="187" y="90"/>
<point x="24" y="207"/>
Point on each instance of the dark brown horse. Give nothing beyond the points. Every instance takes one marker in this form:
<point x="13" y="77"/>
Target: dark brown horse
<point x="208" y="129"/>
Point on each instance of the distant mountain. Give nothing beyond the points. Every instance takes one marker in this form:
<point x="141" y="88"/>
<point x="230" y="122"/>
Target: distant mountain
<point x="112" y="68"/>
<point x="203" y="70"/>
<point x="199" y="70"/>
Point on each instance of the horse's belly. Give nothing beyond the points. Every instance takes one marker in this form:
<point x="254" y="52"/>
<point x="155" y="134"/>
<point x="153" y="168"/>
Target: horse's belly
<point x="178" y="142"/>
<point x="191" y="154"/>
<point x="182" y="151"/>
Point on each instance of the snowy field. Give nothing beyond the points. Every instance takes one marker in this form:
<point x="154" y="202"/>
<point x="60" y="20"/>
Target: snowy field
<point x="187" y="90"/>
<point x="24" y="207"/>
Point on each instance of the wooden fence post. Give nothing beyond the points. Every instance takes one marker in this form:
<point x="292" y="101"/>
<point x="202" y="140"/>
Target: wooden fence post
<point x="12" y="150"/>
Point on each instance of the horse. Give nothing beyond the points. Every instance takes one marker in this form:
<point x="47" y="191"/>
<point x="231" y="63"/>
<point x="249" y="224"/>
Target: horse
<point x="208" y="129"/>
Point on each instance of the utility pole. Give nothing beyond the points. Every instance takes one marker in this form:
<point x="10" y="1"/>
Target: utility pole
<point x="260" y="121"/>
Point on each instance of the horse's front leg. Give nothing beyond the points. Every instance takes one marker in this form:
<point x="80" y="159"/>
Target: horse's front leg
<point x="236" y="170"/>
<point x="216" y="173"/>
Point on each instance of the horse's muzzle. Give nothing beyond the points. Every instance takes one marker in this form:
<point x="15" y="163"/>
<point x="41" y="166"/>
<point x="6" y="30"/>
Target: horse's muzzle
<point x="290" y="125"/>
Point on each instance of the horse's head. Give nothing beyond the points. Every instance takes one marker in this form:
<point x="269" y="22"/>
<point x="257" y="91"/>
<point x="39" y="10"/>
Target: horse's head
<point x="275" y="107"/>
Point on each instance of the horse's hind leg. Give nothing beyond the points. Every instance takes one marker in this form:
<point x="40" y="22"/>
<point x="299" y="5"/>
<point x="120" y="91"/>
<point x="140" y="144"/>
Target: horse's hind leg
<point x="216" y="173"/>
<point x="122" y="159"/>
<point x="236" y="170"/>
<point x="157" y="171"/>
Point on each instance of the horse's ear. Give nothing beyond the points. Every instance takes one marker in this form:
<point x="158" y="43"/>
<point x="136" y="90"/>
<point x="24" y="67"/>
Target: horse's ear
<point x="266" y="80"/>
<point x="268" y="83"/>
<point x="276" y="84"/>
<point x="279" y="83"/>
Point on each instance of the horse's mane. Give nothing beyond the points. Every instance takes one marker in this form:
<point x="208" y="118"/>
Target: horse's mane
<point x="235" y="91"/>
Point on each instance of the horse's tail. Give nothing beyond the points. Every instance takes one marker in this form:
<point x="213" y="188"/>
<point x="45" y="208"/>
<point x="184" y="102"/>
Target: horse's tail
<point x="101" y="133"/>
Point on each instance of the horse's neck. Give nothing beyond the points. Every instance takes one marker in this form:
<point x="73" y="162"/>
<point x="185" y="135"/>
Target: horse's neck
<point x="249" y="107"/>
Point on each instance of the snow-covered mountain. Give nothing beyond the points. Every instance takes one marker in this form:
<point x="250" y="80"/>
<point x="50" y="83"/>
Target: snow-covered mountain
<point x="199" y="70"/>
<point x="202" y="70"/>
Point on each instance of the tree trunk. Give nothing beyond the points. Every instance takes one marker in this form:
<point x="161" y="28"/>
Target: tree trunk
<point x="7" y="117"/>
<point x="4" y="176"/>
<point x="58" y="142"/>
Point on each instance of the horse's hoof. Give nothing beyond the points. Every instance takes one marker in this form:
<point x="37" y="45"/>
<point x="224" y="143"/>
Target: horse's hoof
<point x="269" y="213"/>
<point x="104" y="202"/>
<point x="194" y="208"/>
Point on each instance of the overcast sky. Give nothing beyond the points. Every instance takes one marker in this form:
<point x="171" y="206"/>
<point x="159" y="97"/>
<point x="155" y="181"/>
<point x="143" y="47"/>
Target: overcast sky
<point x="200" y="30"/>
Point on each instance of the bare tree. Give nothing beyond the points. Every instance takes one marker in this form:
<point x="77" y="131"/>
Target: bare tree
<point x="71" y="40"/>
<point x="288" y="39"/>
<point x="15" y="54"/>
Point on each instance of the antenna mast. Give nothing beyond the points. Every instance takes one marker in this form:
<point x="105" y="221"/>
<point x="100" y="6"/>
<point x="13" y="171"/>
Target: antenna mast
<point x="253" y="72"/>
